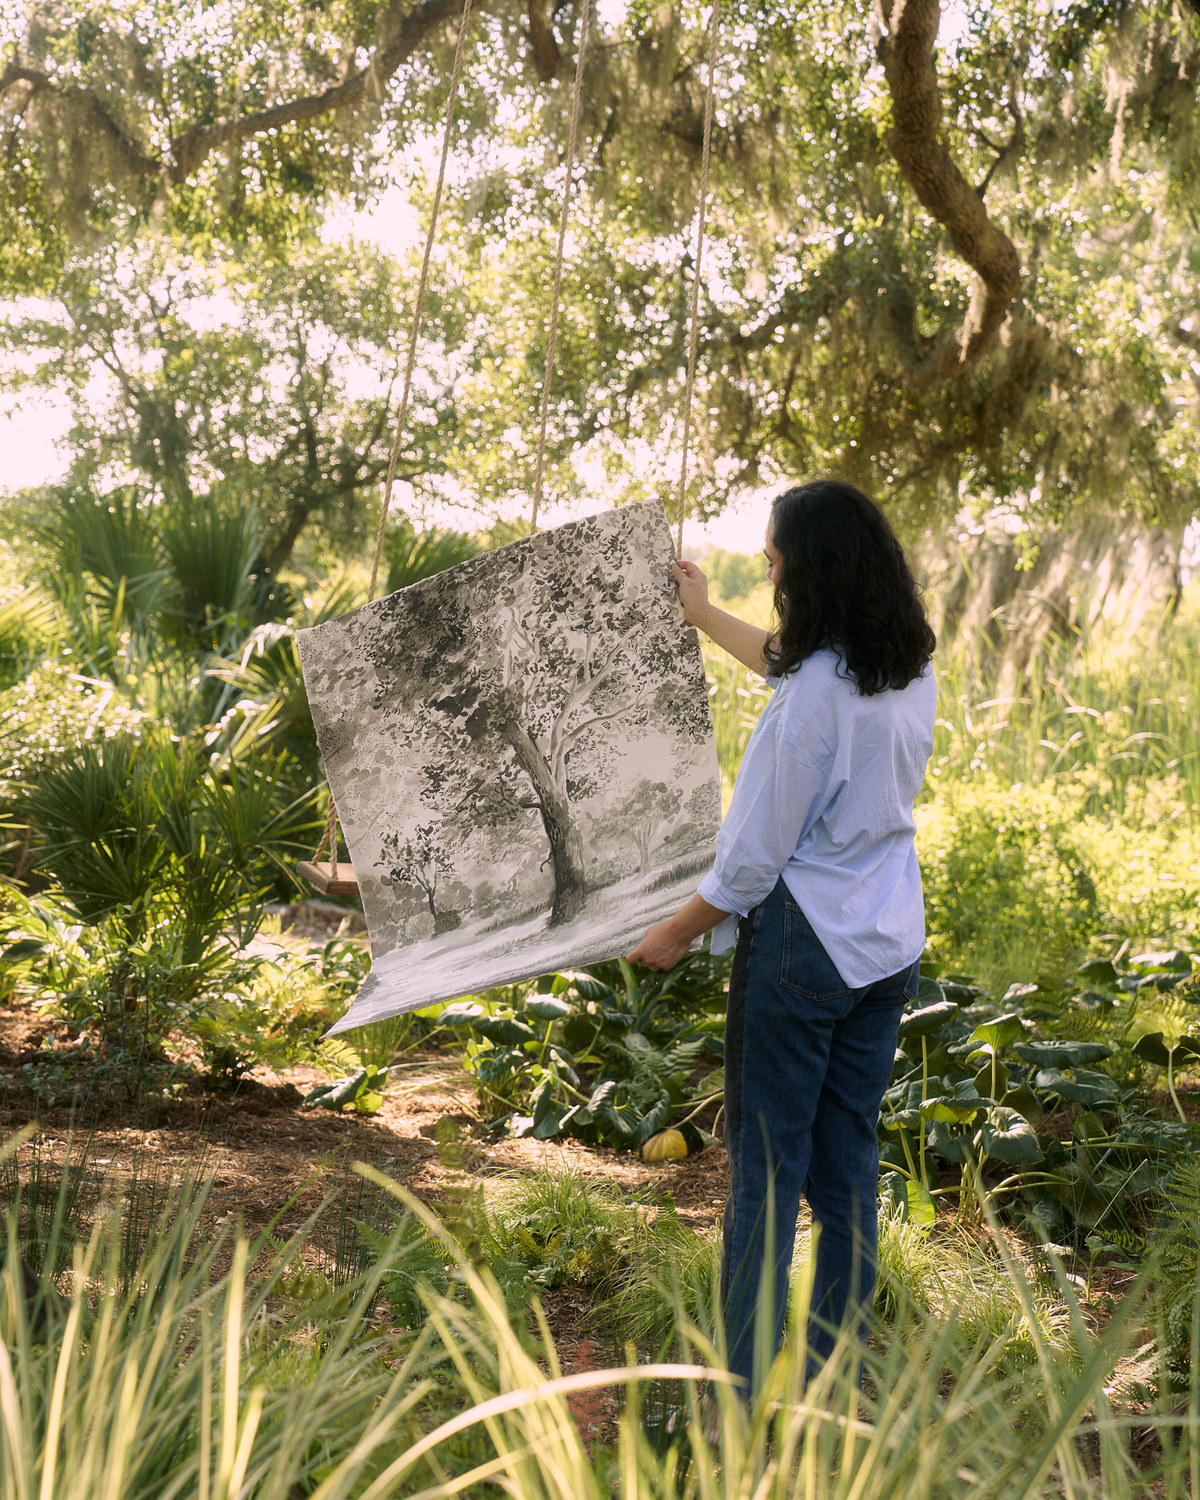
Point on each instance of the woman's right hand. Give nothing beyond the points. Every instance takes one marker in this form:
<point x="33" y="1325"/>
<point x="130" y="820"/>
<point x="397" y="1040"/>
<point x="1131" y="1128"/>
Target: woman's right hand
<point x="693" y="591"/>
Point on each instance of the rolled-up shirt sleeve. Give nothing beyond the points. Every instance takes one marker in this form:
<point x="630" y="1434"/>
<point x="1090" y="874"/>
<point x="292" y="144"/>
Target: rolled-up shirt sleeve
<point x="777" y="793"/>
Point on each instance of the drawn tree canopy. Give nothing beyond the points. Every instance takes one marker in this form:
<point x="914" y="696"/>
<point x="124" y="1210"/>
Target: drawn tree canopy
<point x="511" y="693"/>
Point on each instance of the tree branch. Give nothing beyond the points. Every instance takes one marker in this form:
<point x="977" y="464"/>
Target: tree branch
<point x="137" y="163"/>
<point x="545" y="48"/>
<point x="942" y="189"/>
<point x="191" y="147"/>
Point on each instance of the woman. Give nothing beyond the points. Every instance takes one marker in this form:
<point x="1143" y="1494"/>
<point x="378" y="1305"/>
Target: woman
<point x="816" y="857"/>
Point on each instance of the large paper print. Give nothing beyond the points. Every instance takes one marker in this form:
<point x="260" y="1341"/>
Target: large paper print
<point x="522" y="758"/>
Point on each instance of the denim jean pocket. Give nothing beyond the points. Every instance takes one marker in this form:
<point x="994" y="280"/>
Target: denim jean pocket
<point x="805" y="967"/>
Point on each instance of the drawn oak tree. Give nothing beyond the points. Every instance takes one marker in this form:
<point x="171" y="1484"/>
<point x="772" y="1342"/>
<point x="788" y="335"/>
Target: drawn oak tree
<point x="510" y="673"/>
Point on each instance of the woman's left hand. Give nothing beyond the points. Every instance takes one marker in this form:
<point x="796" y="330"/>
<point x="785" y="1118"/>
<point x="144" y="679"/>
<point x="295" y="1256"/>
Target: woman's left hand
<point x="662" y="947"/>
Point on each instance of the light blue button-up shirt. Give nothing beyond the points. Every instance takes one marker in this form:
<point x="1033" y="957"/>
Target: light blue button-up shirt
<point x="824" y="797"/>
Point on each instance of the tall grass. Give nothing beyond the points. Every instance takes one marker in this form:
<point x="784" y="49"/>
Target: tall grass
<point x="199" y="1375"/>
<point x="1108" y="714"/>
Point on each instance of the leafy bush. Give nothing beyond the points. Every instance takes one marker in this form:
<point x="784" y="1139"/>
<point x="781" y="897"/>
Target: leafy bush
<point x="635" y="1038"/>
<point x="163" y="861"/>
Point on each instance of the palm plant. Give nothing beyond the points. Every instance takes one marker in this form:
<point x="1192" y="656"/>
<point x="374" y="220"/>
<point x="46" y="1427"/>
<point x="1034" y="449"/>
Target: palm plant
<point x="412" y="555"/>
<point x="210" y="544"/>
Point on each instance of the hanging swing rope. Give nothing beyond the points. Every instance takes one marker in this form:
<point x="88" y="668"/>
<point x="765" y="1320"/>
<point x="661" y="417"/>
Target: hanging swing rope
<point x="694" y="329"/>
<point x="329" y="837"/>
<point x="552" y="338"/>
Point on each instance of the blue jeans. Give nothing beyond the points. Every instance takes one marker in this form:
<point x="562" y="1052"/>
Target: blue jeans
<point x="807" y="1060"/>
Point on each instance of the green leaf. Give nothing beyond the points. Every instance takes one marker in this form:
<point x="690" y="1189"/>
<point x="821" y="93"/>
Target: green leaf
<point x="1025" y="1102"/>
<point x="548" y="1008"/>
<point x="505" y="1030"/>
<point x="1176" y="961"/>
<point x="1062" y="1054"/>
<point x="952" y="1109"/>
<point x="1001" y="1032"/>
<point x="983" y="1081"/>
<point x="923" y="1022"/>
<point x="913" y="1199"/>
<point x="947" y="1141"/>
<point x="1008" y="1136"/>
<point x="1099" y="971"/>
<point x="461" y="1013"/>
<point x="929" y="992"/>
<point x="20" y="951"/>
<point x="1084" y="1088"/>
<point x="1154" y="1047"/>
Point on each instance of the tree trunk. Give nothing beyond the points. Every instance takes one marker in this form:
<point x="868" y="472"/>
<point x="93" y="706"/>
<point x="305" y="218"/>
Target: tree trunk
<point x="1106" y="572"/>
<point x="566" y="845"/>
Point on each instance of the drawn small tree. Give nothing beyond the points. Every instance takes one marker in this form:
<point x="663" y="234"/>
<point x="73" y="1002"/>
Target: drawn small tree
<point x="651" y="810"/>
<point x="422" y="860"/>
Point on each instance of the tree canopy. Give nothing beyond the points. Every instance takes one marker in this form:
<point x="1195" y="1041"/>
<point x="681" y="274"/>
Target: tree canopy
<point x="959" y="275"/>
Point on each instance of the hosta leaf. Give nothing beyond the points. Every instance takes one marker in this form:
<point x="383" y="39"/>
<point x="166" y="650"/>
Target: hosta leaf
<point x="1008" y="1136"/>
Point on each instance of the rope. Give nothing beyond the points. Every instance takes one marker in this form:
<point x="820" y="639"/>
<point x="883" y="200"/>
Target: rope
<point x="329" y="837"/>
<point x="402" y="414"/>
<point x="694" y="330"/>
<point x="558" y="266"/>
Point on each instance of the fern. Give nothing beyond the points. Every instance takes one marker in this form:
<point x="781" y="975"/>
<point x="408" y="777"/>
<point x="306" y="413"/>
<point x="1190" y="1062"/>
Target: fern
<point x="1178" y="1233"/>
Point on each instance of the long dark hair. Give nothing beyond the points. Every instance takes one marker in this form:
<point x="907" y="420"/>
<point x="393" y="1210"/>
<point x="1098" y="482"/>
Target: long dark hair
<point x="843" y="581"/>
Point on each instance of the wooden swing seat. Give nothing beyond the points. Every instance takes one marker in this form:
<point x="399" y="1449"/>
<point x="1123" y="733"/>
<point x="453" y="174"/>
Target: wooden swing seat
<point x="319" y="874"/>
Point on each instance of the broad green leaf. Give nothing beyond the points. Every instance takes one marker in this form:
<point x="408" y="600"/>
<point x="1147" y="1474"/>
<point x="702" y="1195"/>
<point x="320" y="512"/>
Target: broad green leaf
<point x="952" y="1109"/>
<point x="1156" y="1048"/>
<point x="1084" y="1088"/>
<point x="548" y="1008"/>
<point x="1008" y="1136"/>
<point x="1099" y="971"/>
<point x="1176" y="961"/>
<point x="1025" y="1102"/>
<point x="983" y="1080"/>
<point x="923" y="1022"/>
<point x="461" y="1013"/>
<point x="929" y="992"/>
<point x="1062" y="1054"/>
<point x="947" y="1141"/>
<point x="1001" y="1032"/>
<point x="504" y="1030"/>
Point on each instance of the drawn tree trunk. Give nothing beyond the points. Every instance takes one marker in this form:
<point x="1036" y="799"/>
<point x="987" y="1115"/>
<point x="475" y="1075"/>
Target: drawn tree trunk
<point x="552" y="802"/>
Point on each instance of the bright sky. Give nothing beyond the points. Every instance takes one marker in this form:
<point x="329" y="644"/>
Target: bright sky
<point x="31" y="432"/>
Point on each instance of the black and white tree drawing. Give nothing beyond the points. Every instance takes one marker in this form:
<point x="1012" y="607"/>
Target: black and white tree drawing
<point x="515" y="722"/>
